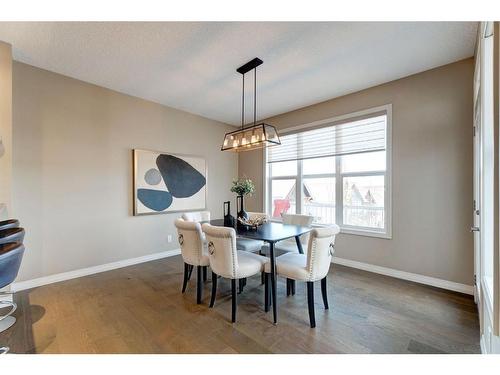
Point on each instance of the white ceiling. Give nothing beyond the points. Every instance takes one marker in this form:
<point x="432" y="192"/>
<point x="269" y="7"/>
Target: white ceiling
<point x="191" y="66"/>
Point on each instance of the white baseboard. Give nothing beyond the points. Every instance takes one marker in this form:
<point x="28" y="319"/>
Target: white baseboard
<point x="28" y="284"/>
<point x="440" y="283"/>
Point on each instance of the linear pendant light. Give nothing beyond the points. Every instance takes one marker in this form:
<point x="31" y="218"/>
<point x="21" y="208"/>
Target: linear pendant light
<point x="254" y="136"/>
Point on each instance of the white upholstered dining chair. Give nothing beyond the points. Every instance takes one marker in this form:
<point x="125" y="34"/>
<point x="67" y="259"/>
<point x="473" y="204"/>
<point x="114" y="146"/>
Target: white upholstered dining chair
<point x="198" y="216"/>
<point x="290" y="245"/>
<point x="244" y="244"/>
<point x="295" y="219"/>
<point x="309" y="267"/>
<point x="247" y="244"/>
<point x="229" y="262"/>
<point x="194" y="253"/>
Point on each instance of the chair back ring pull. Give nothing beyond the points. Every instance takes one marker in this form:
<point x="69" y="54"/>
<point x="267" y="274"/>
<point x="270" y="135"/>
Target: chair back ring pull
<point x="211" y="248"/>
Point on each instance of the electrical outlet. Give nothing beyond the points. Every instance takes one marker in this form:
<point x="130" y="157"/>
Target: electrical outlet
<point x="169" y="238"/>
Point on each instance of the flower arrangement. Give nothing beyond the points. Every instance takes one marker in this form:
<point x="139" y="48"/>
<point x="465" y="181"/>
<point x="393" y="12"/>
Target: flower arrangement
<point x="243" y="186"/>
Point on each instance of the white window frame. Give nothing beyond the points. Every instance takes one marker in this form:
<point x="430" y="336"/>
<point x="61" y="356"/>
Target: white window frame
<point x="348" y="229"/>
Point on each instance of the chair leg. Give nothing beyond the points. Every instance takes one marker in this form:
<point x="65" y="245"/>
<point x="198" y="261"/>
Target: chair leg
<point x="233" y="300"/>
<point x="190" y="271"/>
<point x="262" y="274"/>
<point x="292" y="284"/>
<point x="214" y="289"/>
<point x="241" y="284"/>
<point x="323" y="292"/>
<point x="205" y="273"/>
<point x="186" y="274"/>
<point x="274" y="291"/>
<point x="267" y="292"/>
<point x="288" y="287"/>
<point x="299" y="245"/>
<point x="310" y="303"/>
<point x="199" y="286"/>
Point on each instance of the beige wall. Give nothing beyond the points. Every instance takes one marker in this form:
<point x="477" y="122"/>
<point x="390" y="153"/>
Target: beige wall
<point x="432" y="172"/>
<point x="72" y="170"/>
<point x="5" y="128"/>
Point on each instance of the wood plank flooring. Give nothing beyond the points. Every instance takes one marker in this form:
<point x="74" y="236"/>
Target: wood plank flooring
<point x="140" y="309"/>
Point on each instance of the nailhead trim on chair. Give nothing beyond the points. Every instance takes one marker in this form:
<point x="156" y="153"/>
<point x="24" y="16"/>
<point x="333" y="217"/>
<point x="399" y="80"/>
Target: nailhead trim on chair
<point x="200" y="246"/>
<point x="311" y="259"/>
<point x="233" y="252"/>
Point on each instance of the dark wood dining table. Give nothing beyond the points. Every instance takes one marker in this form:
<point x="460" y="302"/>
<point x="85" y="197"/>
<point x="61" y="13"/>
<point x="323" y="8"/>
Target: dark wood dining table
<point x="271" y="232"/>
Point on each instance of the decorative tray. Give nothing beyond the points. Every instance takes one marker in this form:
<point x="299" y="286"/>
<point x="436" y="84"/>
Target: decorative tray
<point x="253" y="222"/>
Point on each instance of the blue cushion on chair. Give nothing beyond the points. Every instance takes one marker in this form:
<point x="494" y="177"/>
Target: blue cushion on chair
<point x="11" y="255"/>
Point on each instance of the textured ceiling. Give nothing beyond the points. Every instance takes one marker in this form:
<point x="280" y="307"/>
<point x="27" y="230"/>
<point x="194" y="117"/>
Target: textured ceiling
<point x="191" y="66"/>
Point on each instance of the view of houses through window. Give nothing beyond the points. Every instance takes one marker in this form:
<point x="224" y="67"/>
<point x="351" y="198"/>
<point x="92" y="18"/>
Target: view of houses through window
<point x="348" y="190"/>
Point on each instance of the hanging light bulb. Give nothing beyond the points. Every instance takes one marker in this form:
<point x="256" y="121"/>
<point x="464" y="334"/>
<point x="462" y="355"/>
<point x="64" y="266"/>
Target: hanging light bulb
<point x="253" y="139"/>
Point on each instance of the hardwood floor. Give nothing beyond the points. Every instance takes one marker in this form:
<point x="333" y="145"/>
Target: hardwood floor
<point x="140" y="309"/>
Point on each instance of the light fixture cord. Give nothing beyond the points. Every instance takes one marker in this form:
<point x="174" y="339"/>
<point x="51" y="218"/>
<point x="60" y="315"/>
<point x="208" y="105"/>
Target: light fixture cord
<point x="254" y="96"/>
<point x="243" y="104"/>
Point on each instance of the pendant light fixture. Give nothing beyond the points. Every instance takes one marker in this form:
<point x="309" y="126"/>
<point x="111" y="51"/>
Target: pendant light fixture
<point x="254" y="136"/>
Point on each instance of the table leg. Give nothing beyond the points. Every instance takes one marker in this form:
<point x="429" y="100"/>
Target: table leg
<point x="273" y="283"/>
<point x="299" y="245"/>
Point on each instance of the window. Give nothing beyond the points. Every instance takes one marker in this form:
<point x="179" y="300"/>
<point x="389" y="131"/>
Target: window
<point x="337" y="171"/>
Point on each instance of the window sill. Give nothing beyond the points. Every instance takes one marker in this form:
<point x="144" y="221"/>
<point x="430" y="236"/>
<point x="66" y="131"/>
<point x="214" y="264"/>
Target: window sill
<point x="351" y="230"/>
<point x="365" y="233"/>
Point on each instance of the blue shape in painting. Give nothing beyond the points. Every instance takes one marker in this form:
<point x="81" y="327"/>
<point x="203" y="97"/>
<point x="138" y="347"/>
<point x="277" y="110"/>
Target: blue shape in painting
<point x="155" y="200"/>
<point x="181" y="178"/>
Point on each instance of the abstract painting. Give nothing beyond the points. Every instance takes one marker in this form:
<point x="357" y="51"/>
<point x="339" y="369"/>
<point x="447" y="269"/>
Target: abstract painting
<point x="165" y="182"/>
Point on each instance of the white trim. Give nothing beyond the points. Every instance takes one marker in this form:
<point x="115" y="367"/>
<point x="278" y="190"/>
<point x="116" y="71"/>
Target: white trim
<point x="347" y="116"/>
<point x="33" y="283"/>
<point x="359" y="231"/>
<point x="427" y="280"/>
<point x="351" y="230"/>
<point x="366" y="232"/>
<point x="388" y="173"/>
<point x="484" y="350"/>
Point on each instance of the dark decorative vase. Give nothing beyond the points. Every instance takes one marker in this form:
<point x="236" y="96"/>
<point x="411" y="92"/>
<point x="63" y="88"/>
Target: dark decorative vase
<point x="228" y="219"/>
<point x="242" y="214"/>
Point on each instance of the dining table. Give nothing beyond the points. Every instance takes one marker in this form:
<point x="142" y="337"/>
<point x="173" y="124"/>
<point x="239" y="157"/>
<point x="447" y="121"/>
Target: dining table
<point x="270" y="232"/>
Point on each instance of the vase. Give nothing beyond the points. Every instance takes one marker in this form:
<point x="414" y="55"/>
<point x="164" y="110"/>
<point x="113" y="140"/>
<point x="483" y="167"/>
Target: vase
<point x="228" y="219"/>
<point x="242" y="214"/>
